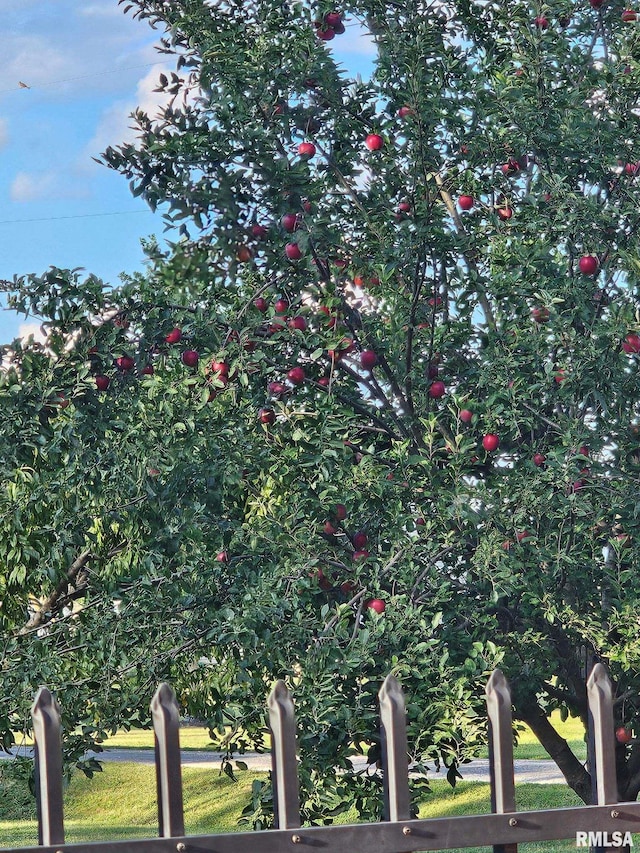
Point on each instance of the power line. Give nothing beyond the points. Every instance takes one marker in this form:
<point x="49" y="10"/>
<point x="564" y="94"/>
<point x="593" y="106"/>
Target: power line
<point x="84" y="76"/>
<point x="77" y="216"/>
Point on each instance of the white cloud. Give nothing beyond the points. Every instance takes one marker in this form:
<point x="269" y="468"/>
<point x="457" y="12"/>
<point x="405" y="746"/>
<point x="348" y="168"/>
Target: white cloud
<point x="33" y="60"/>
<point x="116" y="126"/>
<point x="27" y="187"/>
<point x="49" y="184"/>
<point x="25" y="330"/>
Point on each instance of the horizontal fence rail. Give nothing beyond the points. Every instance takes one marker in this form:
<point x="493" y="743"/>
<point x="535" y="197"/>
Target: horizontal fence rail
<point x="504" y="829"/>
<point x="411" y="835"/>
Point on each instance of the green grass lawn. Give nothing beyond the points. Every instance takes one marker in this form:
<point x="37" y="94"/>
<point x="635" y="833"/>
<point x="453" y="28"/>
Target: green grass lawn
<point x="120" y="803"/>
<point x="195" y="737"/>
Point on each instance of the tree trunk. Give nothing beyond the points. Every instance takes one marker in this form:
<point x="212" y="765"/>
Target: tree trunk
<point x="558" y="749"/>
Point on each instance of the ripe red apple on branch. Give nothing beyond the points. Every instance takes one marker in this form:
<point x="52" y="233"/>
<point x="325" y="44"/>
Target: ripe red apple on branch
<point x="190" y="358"/>
<point x="624" y="735"/>
<point x="374" y="142"/>
<point x="296" y="375"/>
<point x="368" y="359"/>
<point x="588" y="265"/>
<point x="306" y="150"/>
<point x="293" y="251"/>
<point x="490" y="442"/>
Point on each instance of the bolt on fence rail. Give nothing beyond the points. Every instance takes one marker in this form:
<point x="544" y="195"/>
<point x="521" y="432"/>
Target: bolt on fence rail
<point x="504" y="829"/>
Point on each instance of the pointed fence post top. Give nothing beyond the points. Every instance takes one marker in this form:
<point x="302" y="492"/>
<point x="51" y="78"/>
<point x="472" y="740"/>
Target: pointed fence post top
<point x="280" y="699"/>
<point x="165" y="714"/>
<point x="602" y="761"/>
<point x="497" y="688"/>
<point x="282" y="722"/>
<point x="599" y="680"/>
<point x="395" y="761"/>
<point x="45" y="703"/>
<point x="391" y="693"/>
<point x="164" y="702"/>
<point x="47" y="726"/>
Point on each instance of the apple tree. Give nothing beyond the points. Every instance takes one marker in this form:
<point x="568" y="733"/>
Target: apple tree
<point x="375" y="409"/>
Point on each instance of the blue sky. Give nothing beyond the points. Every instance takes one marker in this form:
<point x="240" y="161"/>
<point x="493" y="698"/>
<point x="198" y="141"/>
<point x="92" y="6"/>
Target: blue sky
<point x="88" y="66"/>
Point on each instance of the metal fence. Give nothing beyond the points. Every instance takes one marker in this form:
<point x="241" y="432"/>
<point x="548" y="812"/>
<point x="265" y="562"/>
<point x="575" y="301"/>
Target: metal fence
<point x="503" y="830"/>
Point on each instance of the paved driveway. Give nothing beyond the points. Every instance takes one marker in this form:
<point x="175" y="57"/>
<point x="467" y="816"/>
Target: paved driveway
<point x="544" y="772"/>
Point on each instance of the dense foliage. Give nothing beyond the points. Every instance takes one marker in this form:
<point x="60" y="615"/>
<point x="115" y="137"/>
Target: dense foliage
<point x="376" y="408"/>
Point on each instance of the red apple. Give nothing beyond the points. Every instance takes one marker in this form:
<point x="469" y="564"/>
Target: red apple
<point x="465" y="202"/>
<point x="307" y="149"/>
<point x="293" y="252"/>
<point x="333" y="19"/>
<point x="220" y="367"/>
<point x="290" y="222"/>
<point x="490" y="442"/>
<point x="465" y="416"/>
<point x="539" y="459"/>
<point x="360" y="540"/>
<point x="504" y="213"/>
<point x="243" y="254"/>
<point x="596" y="4"/>
<point x="102" y="382"/>
<point x="405" y="112"/>
<point x="267" y="416"/>
<point x="174" y="336"/>
<point x="541" y="22"/>
<point x="631" y="343"/>
<point x="190" y="357"/>
<point x="325" y="33"/>
<point x="125" y="363"/>
<point x="340" y="512"/>
<point x="631" y="168"/>
<point x="281" y="306"/>
<point x="296" y="375"/>
<point x="298" y="322"/>
<point x="222" y="556"/>
<point x="588" y="265"/>
<point x="324" y="381"/>
<point x="332" y="320"/>
<point x="540" y="314"/>
<point x="437" y="389"/>
<point x="259" y="231"/>
<point x="276" y="389"/>
<point x="148" y="370"/>
<point x="361" y="554"/>
<point x="629" y="15"/>
<point x="368" y="359"/>
<point x="511" y="167"/>
<point x="623" y="735"/>
<point x="374" y="142"/>
<point x="261" y="304"/>
<point x="376" y="604"/>
<point x="329" y="528"/>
